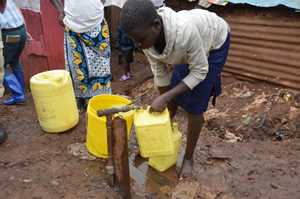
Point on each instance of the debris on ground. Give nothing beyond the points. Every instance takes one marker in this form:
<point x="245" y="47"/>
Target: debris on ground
<point x="221" y="170"/>
<point x="246" y="119"/>
<point x="258" y="101"/>
<point x="286" y="96"/>
<point x="204" y="192"/>
<point x="186" y="190"/>
<point x="243" y="92"/>
<point x="231" y="138"/>
<point x="279" y="135"/>
<point x="54" y="182"/>
<point x="215" y="113"/>
<point x="80" y="150"/>
<point x="297" y="100"/>
<point x="216" y="154"/>
<point x="294" y="113"/>
<point x="26" y="180"/>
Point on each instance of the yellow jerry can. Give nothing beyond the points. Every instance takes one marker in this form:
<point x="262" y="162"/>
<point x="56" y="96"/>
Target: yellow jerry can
<point x="154" y="133"/>
<point x="162" y="163"/>
<point x="54" y="100"/>
<point x="96" y="140"/>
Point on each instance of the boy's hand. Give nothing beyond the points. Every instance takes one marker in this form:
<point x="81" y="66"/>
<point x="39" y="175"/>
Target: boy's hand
<point x="167" y="96"/>
<point x="159" y="104"/>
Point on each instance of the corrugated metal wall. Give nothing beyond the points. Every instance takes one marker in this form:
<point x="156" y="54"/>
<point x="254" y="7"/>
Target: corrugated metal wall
<point x="265" y="42"/>
<point x="266" y="50"/>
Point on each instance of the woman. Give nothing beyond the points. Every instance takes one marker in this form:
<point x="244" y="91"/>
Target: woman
<point x="87" y="47"/>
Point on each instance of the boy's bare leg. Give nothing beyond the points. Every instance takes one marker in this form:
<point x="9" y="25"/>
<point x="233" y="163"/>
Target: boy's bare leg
<point x="195" y="123"/>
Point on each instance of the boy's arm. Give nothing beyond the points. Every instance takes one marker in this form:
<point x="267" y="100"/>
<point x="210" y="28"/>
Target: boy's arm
<point x="196" y="58"/>
<point x="162" y="80"/>
<point x="166" y="97"/>
<point x="198" y="66"/>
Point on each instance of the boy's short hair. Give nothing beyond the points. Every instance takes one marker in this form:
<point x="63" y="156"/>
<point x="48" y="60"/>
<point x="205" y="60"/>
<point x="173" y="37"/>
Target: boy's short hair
<point x="137" y="15"/>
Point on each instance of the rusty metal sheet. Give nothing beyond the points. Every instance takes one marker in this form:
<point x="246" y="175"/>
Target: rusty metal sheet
<point x="45" y="51"/>
<point x="265" y="48"/>
<point x="265" y="42"/>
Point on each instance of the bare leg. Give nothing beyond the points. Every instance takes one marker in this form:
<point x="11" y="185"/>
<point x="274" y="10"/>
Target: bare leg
<point x="127" y="73"/>
<point x="195" y="123"/>
<point x="127" y="68"/>
<point x="172" y="105"/>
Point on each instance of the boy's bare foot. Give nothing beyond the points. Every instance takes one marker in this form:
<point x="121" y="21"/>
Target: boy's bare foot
<point x="187" y="169"/>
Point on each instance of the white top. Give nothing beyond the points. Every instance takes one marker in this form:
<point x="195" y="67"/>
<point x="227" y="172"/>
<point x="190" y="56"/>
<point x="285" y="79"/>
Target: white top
<point x="12" y="16"/>
<point x="190" y="36"/>
<point x="83" y="15"/>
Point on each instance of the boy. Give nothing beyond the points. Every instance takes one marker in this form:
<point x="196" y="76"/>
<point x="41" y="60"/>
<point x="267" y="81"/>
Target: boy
<point x="195" y="43"/>
<point x="126" y="48"/>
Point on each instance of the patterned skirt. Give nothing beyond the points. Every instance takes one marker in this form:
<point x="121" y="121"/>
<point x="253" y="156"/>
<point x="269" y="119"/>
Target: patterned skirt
<point x="87" y="58"/>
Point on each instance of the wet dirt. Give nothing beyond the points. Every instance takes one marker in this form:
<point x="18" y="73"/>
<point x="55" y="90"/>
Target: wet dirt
<point x="265" y="163"/>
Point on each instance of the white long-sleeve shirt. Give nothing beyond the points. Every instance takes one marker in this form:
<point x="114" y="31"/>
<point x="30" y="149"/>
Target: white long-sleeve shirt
<point x="12" y="16"/>
<point x="190" y="36"/>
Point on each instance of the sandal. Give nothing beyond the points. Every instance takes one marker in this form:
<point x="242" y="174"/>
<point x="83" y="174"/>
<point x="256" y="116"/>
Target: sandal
<point x="125" y="77"/>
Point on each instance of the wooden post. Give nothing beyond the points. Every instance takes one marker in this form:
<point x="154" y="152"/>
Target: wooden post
<point x="110" y="142"/>
<point x="117" y="164"/>
<point x="120" y="157"/>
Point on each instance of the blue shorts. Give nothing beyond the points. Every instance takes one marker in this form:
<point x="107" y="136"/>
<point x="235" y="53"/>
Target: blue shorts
<point x="196" y="101"/>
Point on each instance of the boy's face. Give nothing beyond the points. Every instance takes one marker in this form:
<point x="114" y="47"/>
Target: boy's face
<point x="147" y="38"/>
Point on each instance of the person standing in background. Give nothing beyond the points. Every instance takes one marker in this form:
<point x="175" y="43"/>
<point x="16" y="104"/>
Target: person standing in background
<point x="14" y="38"/>
<point x="126" y="49"/>
<point x="3" y="135"/>
<point x="1" y="67"/>
<point x="87" y="47"/>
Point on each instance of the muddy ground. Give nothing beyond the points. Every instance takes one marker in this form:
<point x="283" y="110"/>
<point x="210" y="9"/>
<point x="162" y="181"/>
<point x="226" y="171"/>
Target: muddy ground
<point x="249" y="148"/>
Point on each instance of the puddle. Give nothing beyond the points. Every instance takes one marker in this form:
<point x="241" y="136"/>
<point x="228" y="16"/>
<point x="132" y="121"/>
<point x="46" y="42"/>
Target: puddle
<point x="148" y="182"/>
